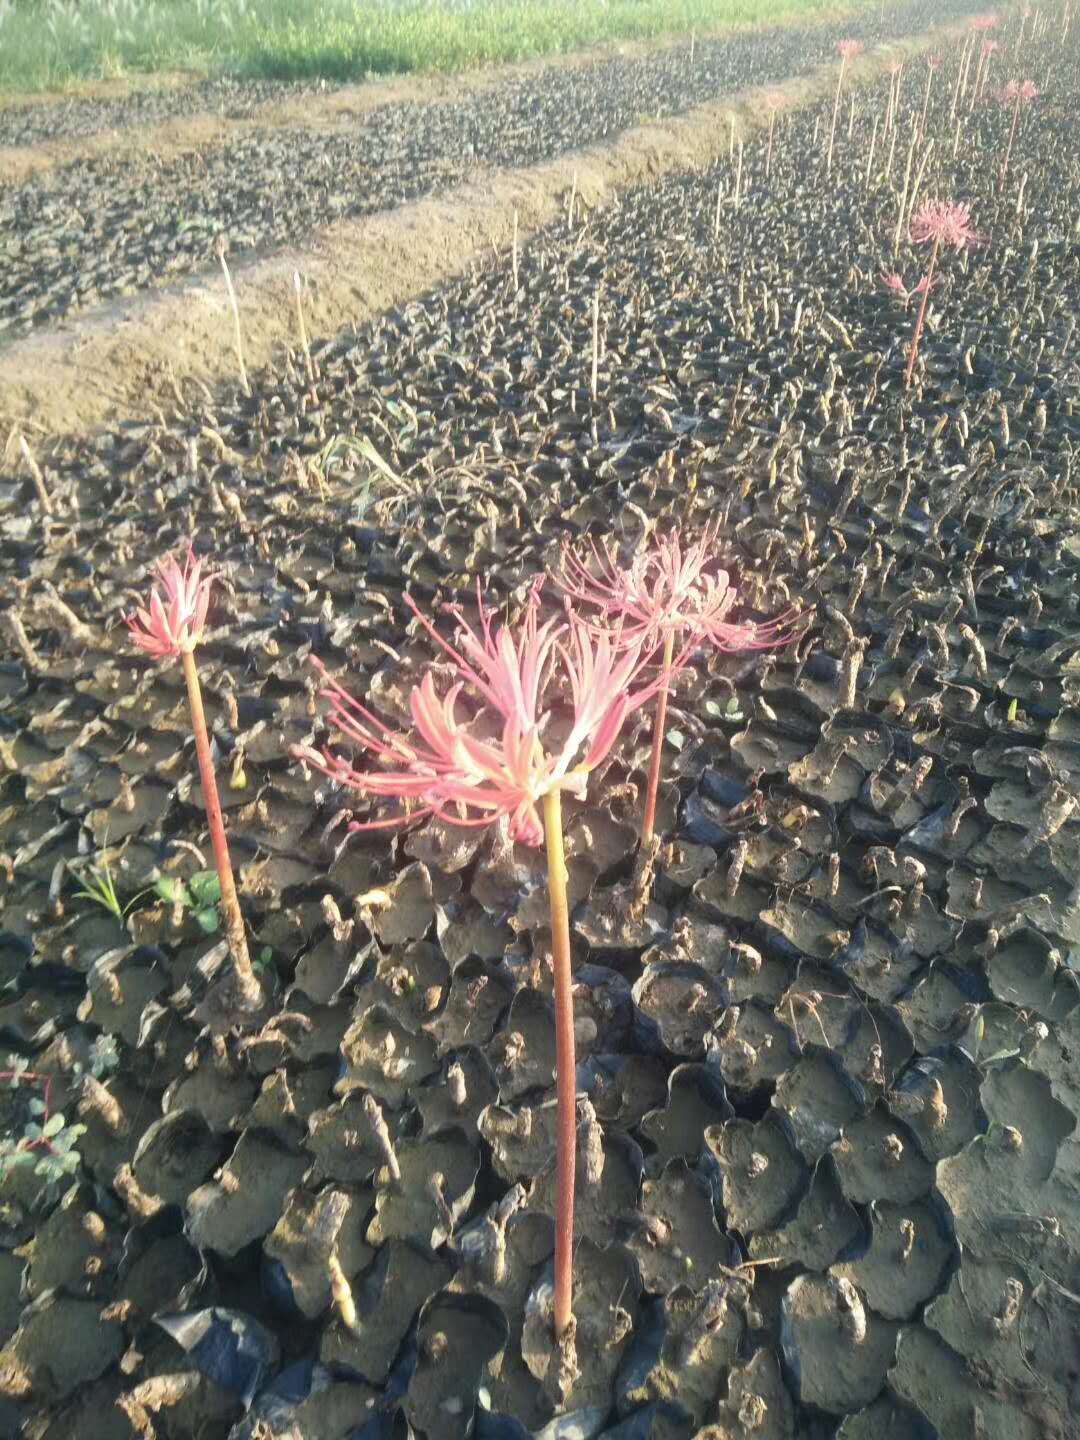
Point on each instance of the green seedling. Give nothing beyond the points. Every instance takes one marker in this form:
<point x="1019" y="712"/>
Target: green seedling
<point x="47" y="1143"/>
<point x="200" y="895"/>
<point x="99" y="886"/>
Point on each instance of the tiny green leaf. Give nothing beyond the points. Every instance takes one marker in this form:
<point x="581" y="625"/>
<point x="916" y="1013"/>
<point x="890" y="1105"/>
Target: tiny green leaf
<point x="207" y="920"/>
<point x="171" y="890"/>
<point x="205" y="888"/>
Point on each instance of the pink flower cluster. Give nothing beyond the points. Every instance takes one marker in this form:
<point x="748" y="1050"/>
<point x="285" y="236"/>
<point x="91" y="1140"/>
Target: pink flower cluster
<point x="463" y="779"/>
<point x="947" y="222"/>
<point x="894" y="282"/>
<point x="1018" y="92"/>
<point x="522" y="674"/>
<point x="175" y="618"/>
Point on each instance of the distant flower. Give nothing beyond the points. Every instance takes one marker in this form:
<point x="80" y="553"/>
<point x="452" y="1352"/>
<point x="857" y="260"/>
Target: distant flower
<point x="938" y="222"/>
<point x="848" y="49"/>
<point x="934" y="62"/>
<point x="175" y="616"/>
<point x="946" y="222"/>
<point x="984" y="22"/>
<point x="666" y="589"/>
<point x="463" y="779"/>
<point x="989" y="46"/>
<point x="894" y="282"/>
<point x="1020" y="92"/>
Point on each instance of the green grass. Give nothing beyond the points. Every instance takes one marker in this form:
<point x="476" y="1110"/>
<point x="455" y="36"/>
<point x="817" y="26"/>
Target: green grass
<point x="48" y="44"/>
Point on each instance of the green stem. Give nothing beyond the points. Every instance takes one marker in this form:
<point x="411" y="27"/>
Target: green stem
<point x="565" y="1065"/>
<point x="250" y="992"/>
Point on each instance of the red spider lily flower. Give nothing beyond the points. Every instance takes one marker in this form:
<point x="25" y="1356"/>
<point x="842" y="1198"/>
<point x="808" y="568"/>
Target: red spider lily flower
<point x="169" y="627"/>
<point x="1018" y="92"/>
<point x="894" y="282"/>
<point x="173" y="624"/>
<point x="462" y="779"/>
<point x="938" y="222"/>
<point x="988" y="47"/>
<point x="665" y="593"/>
<point x="945" y="222"/>
<point x="508" y="671"/>
<point x="666" y="590"/>
<point x="984" y="22"/>
<point x="934" y="62"/>
<point x="848" y="49"/>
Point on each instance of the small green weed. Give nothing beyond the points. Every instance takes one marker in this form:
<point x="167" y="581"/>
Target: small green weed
<point x="200" y="895"/>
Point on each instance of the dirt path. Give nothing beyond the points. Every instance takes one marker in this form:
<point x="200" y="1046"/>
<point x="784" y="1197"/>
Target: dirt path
<point x="120" y="359"/>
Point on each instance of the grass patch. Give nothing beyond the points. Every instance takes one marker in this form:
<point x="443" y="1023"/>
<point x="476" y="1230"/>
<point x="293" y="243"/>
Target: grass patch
<point x="47" y="44"/>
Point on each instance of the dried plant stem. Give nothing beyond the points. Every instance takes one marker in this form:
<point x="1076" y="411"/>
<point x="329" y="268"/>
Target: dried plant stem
<point x="570" y="204"/>
<point x="514" y="252"/>
<point x="768" y="148"/>
<point x="920" y="319"/>
<point x="1012" y="136"/>
<point x="565" y="1065"/>
<point x="595" y="342"/>
<point x="308" y="362"/>
<point x="918" y="179"/>
<point x="835" y="112"/>
<point x="731" y="137"/>
<point x="904" y="196"/>
<point x="716" y="217"/>
<point x="870" y="157"/>
<point x="926" y="99"/>
<point x="648" y="819"/>
<point x="960" y="76"/>
<point x="35" y="475"/>
<point x="249" y="989"/>
<point x="981" y="86"/>
<point x="236" y="321"/>
<point x="976" y="83"/>
<point x="738" y="176"/>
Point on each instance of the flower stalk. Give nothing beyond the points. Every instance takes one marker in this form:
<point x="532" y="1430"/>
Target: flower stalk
<point x="941" y="222"/>
<point x="444" y="770"/>
<point x="1020" y="93"/>
<point x="648" y="819"/>
<point x="920" y="318"/>
<point x="172" y="625"/>
<point x="565" y="1064"/>
<point x="847" y="49"/>
<point x="237" y="335"/>
<point x="235" y="934"/>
